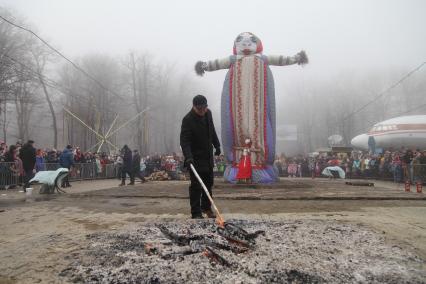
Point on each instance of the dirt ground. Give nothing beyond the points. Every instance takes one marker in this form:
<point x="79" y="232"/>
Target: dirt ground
<point x="39" y="234"/>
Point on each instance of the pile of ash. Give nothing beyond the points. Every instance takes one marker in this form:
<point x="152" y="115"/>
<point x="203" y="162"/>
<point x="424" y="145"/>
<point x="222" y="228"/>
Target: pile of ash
<point x="308" y="251"/>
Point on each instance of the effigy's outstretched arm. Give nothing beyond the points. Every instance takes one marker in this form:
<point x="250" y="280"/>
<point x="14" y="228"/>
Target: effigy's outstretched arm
<point x="212" y="65"/>
<point x="278" y="60"/>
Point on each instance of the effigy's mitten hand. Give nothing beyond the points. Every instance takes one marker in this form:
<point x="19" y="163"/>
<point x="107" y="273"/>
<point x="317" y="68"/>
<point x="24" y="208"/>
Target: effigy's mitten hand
<point x="200" y="67"/>
<point x="302" y="58"/>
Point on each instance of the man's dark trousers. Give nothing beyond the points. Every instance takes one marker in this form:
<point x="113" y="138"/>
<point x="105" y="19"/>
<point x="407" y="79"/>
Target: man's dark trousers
<point x="28" y="175"/>
<point x="198" y="199"/>
<point x="65" y="181"/>
<point x="128" y="172"/>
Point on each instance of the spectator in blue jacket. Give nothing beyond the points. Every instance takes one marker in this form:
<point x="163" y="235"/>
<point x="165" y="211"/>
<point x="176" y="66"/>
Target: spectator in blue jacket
<point x="40" y="162"/>
<point x="66" y="160"/>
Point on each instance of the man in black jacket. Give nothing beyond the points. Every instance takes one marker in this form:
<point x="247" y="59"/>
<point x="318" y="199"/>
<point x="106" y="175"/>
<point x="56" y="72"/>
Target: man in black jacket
<point x="28" y="156"/>
<point x="127" y="166"/>
<point x="197" y="138"/>
<point x="136" y="166"/>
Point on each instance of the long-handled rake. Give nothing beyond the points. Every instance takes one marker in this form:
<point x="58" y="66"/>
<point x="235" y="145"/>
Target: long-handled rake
<point x="228" y="230"/>
<point x="219" y="219"/>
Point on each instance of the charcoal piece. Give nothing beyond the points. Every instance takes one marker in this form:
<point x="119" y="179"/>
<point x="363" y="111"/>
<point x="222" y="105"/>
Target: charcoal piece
<point x="200" y="245"/>
<point x="230" y="247"/>
<point x="255" y="234"/>
<point x="236" y="229"/>
<point x="182" y="240"/>
<point x="241" y="234"/>
<point x="213" y="256"/>
<point x="174" y="253"/>
<point x="235" y="235"/>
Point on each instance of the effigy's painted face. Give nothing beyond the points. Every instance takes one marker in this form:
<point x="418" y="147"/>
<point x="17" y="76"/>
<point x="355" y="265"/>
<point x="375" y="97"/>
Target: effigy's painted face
<point x="246" y="44"/>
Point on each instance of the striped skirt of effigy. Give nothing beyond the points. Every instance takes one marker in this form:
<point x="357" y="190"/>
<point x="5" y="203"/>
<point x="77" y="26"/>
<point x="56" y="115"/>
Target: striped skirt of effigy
<point x="248" y="112"/>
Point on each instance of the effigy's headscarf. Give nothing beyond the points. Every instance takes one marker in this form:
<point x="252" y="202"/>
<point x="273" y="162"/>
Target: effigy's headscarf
<point x="246" y="44"/>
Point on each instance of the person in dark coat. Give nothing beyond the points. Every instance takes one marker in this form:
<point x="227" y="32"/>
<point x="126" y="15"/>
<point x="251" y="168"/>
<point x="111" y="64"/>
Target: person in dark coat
<point x="136" y="166"/>
<point x="197" y="138"/>
<point x="406" y="164"/>
<point x="9" y="169"/>
<point x="127" y="166"/>
<point x="66" y="160"/>
<point x="28" y="156"/>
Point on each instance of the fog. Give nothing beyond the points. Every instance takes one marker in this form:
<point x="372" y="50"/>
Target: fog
<point x="336" y="34"/>
<point x="353" y="46"/>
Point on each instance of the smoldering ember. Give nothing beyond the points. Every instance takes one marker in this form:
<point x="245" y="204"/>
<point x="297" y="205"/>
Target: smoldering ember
<point x="212" y="141"/>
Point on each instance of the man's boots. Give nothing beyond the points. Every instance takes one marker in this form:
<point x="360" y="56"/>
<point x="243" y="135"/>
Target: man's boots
<point x="210" y="214"/>
<point x="123" y="182"/>
<point x="197" y="216"/>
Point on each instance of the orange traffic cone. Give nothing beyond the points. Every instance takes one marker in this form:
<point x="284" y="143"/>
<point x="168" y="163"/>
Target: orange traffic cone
<point x="407" y="186"/>
<point x="419" y="187"/>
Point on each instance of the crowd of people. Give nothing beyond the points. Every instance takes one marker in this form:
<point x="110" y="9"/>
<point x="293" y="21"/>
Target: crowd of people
<point x="45" y="156"/>
<point x="18" y="164"/>
<point x="172" y="164"/>
<point x="399" y="166"/>
<point x="24" y="160"/>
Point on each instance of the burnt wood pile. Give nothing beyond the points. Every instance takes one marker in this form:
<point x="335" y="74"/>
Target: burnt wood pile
<point x="237" y="239"/>
<point x="245" y="251"/>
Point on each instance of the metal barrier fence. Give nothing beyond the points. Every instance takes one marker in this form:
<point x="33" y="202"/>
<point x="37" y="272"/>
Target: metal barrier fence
<point x="390" y="172"/>
<point x="11" y="175"/>
<point x="395" y="172"/>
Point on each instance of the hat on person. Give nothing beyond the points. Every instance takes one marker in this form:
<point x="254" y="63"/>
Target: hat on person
<point x="69" y="147"/>
<point x="199" y="101"/>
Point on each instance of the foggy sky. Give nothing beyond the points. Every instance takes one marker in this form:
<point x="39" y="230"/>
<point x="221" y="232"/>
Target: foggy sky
<point x="337" y="35"/>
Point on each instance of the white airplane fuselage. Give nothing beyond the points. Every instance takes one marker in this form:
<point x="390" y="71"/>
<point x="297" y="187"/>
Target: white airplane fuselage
<point x="404" y="131"/>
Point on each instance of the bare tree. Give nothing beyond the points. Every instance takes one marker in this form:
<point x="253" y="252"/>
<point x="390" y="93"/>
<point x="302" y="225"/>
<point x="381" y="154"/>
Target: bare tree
<point x="141" y="75"/>
<point x="41" y="57"/>
<point x="24" y="99"/>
